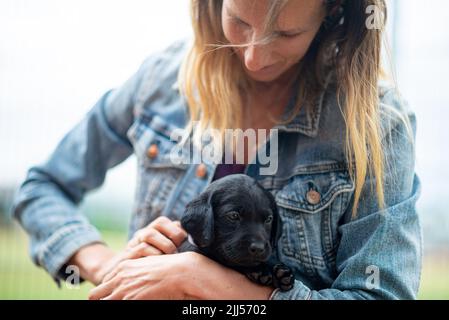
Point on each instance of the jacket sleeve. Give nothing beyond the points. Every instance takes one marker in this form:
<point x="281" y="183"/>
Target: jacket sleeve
<point x="379" y="255"/>
<point x="47" y="202"/>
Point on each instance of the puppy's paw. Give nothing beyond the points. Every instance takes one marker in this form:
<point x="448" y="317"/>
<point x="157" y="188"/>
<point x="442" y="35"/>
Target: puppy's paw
<point x="283" y="277"/>
<point x="261" y="277"/>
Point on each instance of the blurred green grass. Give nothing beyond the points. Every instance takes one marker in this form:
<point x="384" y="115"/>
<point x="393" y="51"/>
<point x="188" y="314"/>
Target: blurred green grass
<point x="21" y="279"/>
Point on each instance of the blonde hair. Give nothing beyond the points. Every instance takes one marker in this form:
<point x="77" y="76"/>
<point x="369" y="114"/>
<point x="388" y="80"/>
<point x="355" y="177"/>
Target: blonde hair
<point x="212" y="79"/>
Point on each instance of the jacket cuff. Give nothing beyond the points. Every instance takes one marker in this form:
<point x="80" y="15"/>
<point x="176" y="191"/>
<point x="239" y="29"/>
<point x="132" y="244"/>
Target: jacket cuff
<point x="298" y="292"/>
<point x="62" y="245"/>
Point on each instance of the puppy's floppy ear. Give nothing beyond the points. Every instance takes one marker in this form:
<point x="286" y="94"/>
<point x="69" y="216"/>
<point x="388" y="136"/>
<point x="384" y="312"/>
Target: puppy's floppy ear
<point x="276" y="225"/>
<point x="198" y="220"/>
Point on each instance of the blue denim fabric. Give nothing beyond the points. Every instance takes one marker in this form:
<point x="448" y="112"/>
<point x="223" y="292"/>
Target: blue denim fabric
<point x="332" y="254"/>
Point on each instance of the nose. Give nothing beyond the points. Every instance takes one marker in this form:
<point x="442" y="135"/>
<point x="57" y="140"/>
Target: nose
<point x="256" y="57"/>
<point x="257" y="249"/>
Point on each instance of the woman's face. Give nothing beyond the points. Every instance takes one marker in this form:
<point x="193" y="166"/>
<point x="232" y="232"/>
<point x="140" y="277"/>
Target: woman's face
<point x="296" y="27"/>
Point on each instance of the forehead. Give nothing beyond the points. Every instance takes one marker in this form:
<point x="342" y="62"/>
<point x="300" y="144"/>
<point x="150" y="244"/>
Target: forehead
<point x="239" y="196"/>
<point x="295" y="14"/>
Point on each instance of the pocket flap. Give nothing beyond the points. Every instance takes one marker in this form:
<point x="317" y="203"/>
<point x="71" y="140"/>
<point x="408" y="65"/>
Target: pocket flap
<point x="150" y="137"/>
<point x="311" y="193"/>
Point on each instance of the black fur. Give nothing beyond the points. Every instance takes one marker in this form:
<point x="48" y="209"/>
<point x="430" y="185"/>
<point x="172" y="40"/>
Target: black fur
<point x="235" y="221"/>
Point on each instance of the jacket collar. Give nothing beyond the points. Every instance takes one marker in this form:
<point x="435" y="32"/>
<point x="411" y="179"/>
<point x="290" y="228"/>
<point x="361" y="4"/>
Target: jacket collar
<point x="306" y="121"/>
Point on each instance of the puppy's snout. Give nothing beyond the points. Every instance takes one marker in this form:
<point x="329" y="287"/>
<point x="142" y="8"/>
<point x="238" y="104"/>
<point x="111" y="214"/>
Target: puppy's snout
<point x="257" y="249"/>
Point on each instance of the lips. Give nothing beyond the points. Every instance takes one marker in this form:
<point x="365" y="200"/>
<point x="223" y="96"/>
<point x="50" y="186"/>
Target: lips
<point x="264" y="70"/>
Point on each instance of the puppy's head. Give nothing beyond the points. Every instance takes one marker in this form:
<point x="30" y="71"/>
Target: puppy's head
<point x="236" y="220"/>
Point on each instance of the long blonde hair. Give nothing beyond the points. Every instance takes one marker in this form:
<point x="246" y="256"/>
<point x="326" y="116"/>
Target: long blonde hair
<point x="212" y="79"/>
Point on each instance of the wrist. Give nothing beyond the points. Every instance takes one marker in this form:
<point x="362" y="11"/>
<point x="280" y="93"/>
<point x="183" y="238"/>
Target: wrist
<point x="190" y="268"/>
<point x="90" y="260"/>
<point x="206" y="279"/>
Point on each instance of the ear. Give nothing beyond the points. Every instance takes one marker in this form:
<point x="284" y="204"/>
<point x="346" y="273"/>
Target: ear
<point x="276" y="225"/>
<point x="198" y="220"/>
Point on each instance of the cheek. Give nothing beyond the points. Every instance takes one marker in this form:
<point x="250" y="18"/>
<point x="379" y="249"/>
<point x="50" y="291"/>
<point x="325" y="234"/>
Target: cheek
<point x="293" y="51"/>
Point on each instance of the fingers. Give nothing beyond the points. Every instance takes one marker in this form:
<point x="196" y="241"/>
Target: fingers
<point x="162" y="234"/>
<point x="170" y="229"/>
<point x="114" y="272"/>
<point x="178" y="223"/>
<point x="141" y="250"/>
<point x="108" y="277"/>
<point x="156" y="239"/>
<point x="103" y="290"/>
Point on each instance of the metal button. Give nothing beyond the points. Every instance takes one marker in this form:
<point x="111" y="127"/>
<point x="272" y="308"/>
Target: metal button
<point x="313" y="197"/>
<point x="201" y="171"/>
<point x="153" y="151"/>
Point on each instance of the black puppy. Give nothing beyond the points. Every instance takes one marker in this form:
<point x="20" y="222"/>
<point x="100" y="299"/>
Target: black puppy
<point x="235" y="221"/>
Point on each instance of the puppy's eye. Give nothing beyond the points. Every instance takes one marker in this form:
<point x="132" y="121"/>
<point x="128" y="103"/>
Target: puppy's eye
<point x="233" y="216"/>
<point x="269" y="219"/>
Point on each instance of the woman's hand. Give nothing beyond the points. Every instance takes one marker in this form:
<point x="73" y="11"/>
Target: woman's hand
<point x="159" y="237"/>
<point x="155" y="277"/>
<point x="180" y="276"/>
<point x="96" y="260"/>
<point x="91" y="260"/>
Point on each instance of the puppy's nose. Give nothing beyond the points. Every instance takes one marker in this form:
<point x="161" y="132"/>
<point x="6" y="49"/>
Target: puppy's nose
<point x="257" y="249"/>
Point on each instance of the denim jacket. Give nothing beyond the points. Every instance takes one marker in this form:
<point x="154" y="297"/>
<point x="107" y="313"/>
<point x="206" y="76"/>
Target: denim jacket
<point x="375" y="255"/>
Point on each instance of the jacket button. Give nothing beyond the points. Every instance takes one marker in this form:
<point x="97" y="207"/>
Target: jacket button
<point x="313" y="197"/>
<point x="201" y="171"/>
<point x="152" y="151"/>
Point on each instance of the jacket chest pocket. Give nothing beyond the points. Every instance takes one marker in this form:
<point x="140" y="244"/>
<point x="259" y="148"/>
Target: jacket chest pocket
<point x="310" y="206"/>
<point x="159" y="168"/>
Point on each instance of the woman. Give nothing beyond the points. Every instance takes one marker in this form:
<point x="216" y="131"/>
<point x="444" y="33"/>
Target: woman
<point x="345" y="182"/>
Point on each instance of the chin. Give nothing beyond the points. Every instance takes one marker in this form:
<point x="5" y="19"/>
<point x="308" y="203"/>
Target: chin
<point x="260" y="78"/>
<point x="244" y="263"/>
<point x="268" y="75"/>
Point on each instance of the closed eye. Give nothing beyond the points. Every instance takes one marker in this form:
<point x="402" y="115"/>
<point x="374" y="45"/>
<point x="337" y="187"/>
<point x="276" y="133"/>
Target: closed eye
<point x="288" y="35"/>
<point x="240" y="22"/>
